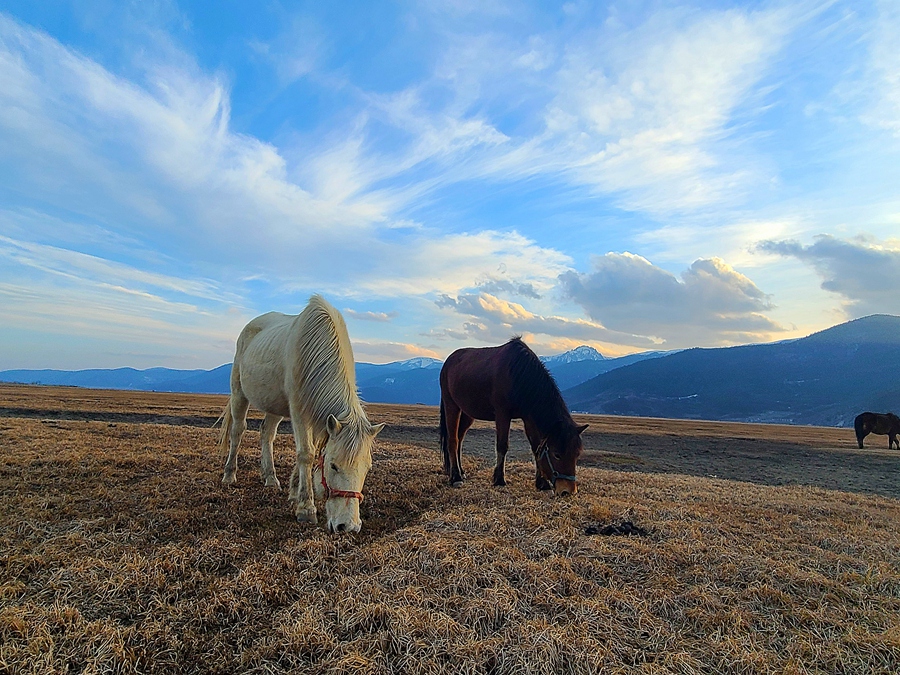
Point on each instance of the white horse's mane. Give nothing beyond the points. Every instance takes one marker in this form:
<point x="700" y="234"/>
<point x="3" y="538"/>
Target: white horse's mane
<point x="325" y="371"/>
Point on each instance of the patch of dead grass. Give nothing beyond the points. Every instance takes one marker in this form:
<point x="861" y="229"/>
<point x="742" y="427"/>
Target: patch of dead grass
<point x="121" y="552"/>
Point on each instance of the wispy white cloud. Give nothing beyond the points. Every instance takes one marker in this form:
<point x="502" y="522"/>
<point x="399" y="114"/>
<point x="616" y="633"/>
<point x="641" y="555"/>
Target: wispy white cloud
<point x="71" y="297"/>
<point x="165" y="158"/>
<point x="139" y="193"/>
<point x="884" y="69"/>
<point x="451" y="263"/>
<point x="731" y="240"/>
<point x="80" y="309"/>
<point x="380" y="317"/>
<point x="644" y="113"/>
<point x="73" y="265"/>
<point x="372" y="351"/>
<point x="296" y="50"/>
<point x="181" y="181"/>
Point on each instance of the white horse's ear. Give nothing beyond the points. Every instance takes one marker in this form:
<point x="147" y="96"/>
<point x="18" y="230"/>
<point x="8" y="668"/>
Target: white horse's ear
<point x="377" y="429"/>
<point x="333" y="425"/>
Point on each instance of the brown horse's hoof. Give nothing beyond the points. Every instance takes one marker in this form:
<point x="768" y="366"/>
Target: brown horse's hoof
<point x="456" y="484"/>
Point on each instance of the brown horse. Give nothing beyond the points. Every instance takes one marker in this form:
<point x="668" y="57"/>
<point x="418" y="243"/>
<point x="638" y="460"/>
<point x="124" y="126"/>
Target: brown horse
<point x="501" y="384"/>
<point x="877" y="423"/>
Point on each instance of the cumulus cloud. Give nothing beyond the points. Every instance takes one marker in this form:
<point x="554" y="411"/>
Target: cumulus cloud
<point x="496" y="320"/>
<point x="496" y="286"/>
<point x="864" y="271"/>
<point x="712" y="304"/>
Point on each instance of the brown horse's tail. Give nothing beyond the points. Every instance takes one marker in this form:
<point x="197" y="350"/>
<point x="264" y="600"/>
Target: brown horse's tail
<point x="226" y="420"/>
<point x="444" y="449"/>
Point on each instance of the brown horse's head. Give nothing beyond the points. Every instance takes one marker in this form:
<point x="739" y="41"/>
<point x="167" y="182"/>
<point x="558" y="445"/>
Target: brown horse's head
<point x="558" y="456"/>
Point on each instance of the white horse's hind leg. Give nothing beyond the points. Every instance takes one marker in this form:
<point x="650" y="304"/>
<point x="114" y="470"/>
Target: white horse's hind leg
<point x="301" y="489"/>
<point x="267" y="436"/>
<point x="239" y="407"/>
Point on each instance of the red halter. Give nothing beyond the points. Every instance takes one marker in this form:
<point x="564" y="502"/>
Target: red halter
<point x="330" y="492"/>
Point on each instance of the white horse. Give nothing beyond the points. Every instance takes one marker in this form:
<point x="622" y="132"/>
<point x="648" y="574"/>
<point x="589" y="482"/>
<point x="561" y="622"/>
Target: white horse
<point x="301" y="366"/>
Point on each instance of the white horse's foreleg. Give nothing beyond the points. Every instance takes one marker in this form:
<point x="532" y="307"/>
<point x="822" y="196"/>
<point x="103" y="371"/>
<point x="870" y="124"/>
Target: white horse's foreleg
<point x="239" y="406"/>
<point x="267" y="436"/>
<point x="301" y="489"/>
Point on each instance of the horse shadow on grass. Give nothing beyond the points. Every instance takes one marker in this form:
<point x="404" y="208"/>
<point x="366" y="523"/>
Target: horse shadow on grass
<point x="396" y="494"/>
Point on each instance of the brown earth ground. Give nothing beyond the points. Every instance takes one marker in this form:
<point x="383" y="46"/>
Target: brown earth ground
<point x="121" y="552"/>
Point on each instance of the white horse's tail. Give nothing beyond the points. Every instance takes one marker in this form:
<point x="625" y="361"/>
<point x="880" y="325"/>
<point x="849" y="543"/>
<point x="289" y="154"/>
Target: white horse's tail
<point x="226" y="420"/>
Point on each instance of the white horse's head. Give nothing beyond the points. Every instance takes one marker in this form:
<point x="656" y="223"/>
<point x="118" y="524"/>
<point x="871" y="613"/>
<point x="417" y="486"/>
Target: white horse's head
<point x="341" y="472"/>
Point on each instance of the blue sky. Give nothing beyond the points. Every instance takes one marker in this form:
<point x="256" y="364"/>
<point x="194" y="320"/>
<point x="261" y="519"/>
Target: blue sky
<point x="629" y="175"/>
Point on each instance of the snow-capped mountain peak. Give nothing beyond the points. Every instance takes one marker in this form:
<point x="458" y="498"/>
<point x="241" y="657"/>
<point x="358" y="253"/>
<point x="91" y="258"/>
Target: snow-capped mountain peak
<point x="582" y="353"/>
<point x="417" y="362"/>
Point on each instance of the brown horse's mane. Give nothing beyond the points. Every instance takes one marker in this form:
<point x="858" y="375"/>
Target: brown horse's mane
<point x="534" y="391"/>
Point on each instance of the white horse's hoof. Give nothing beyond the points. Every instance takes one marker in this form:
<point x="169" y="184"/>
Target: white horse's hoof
<point x="228" y="479"/>
<point x="271" y="481"/>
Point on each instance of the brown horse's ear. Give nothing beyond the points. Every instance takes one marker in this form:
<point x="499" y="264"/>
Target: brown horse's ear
<point x="582" y="428"/>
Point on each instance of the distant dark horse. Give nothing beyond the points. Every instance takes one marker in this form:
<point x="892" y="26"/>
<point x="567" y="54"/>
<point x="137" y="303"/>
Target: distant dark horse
<point x="877" y="423"/>
<point x="501" y="384"/>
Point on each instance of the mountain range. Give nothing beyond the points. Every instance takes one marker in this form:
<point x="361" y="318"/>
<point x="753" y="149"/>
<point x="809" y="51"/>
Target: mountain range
<point x="410" y="381"/>
<point x="823" y="379"/>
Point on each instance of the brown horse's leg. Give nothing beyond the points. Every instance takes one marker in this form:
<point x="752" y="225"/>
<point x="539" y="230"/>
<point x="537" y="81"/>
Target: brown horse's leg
<point x="464" y="423"/>
<point x="859" y="426"/>
<point x="534" y="438"/>
<point x="452" y="415"/>
<point x="502" y="426"/>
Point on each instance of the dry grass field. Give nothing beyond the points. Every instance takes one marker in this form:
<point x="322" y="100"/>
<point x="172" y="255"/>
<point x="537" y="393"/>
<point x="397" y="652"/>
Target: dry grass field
<point x="121" y="552"/>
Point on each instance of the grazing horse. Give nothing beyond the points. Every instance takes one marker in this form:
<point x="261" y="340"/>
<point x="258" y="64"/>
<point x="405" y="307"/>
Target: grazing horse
<point x="501" y="384"/>
<point x="877" y="423"/>
<point x="301" y="366"/>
